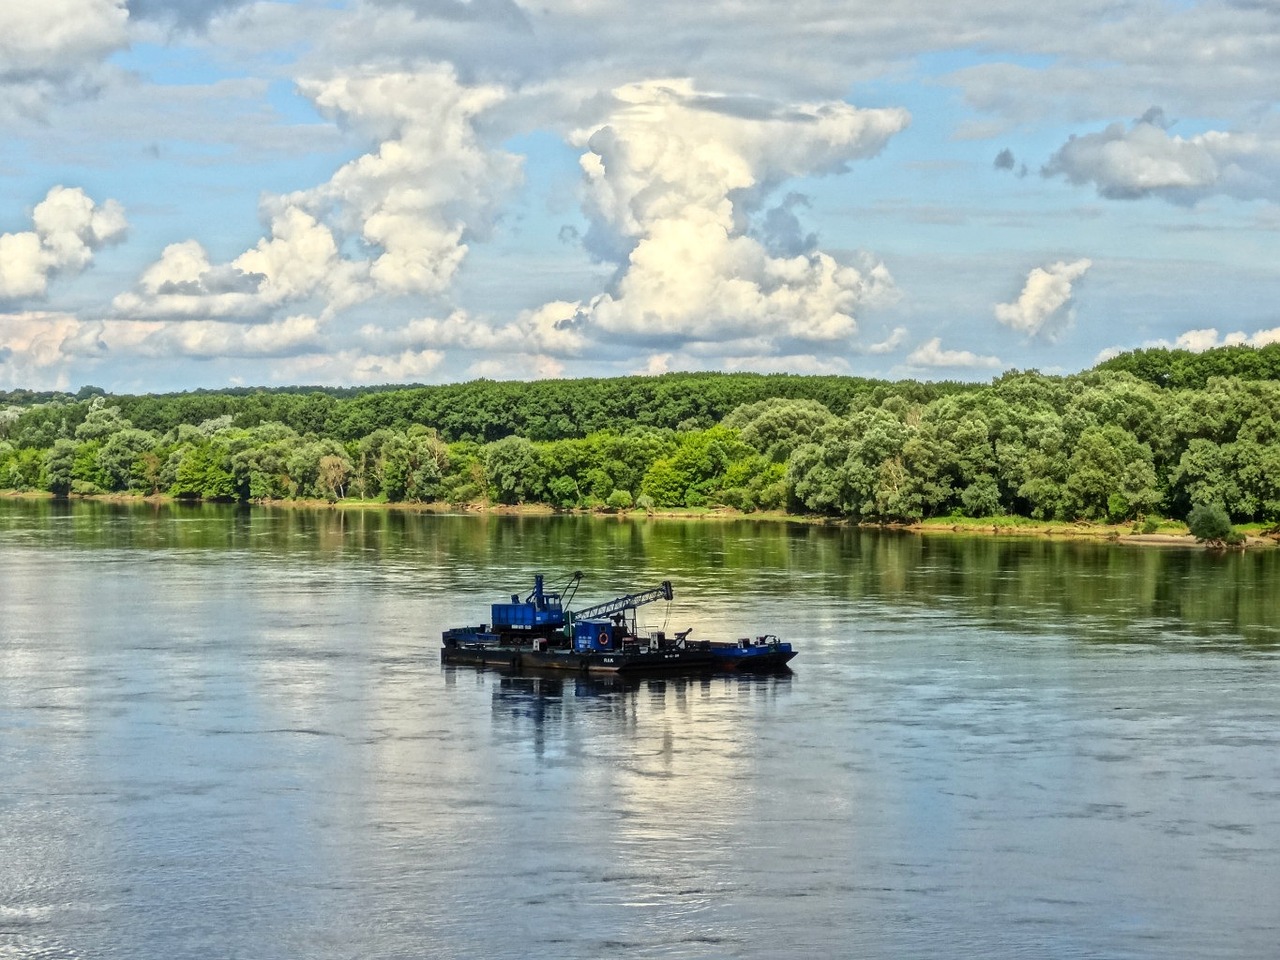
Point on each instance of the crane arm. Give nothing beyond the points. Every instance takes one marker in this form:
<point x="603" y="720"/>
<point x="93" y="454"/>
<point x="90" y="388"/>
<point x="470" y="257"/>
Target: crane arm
<point x="662" y="592"/>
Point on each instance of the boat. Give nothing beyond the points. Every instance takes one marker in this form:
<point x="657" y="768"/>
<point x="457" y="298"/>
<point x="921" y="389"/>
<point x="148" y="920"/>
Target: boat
<point x="540" y="633"/>
<point x="763" y="654"/>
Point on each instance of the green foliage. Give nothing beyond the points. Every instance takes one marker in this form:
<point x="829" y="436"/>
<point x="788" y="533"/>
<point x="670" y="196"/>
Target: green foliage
<point x="619" y="500"/>
<point x="777" y="426"/>
<point x="1151" y="431"/>
<point x="123" y="463"/>
<point x="514" y="470"/>
<point x="696" y="469"/>
<point x="1209" y="522"/>
<point x="982" y="497"/>
<point x="59" y="467"/>
<point x="1182" y="369"/>
<point x="1111" y="475"/>
<point x="202" y="471"/>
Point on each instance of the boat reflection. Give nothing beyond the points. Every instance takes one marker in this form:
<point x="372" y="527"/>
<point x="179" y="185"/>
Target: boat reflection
<point x="555" y="705"/>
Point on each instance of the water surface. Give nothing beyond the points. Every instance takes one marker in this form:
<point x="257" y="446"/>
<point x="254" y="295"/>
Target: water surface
<point x="227" y="733"/>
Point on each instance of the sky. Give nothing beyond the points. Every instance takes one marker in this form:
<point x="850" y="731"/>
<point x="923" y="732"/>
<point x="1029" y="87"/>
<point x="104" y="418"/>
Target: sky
<point x="213" y="193"/>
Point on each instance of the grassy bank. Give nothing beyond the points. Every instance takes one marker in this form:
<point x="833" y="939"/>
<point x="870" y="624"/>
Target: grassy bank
<point x="1160" y="533"/>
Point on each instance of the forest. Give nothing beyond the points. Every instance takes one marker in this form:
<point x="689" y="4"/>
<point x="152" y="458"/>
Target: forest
<point x="1148" y="433"/>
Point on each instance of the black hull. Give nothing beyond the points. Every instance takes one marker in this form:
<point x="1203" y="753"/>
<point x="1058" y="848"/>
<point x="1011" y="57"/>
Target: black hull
<point x="568" y="661"/>
<point x="760" y="663"/>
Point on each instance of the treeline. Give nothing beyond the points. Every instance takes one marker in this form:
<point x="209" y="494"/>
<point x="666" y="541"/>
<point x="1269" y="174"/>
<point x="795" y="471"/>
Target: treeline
<point x="1183" y="370"/>
<point x="1106" y="444"/>
<point x="482" y="410"/>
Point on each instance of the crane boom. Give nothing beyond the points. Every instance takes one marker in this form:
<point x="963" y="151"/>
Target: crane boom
<point x="609" y="608"/>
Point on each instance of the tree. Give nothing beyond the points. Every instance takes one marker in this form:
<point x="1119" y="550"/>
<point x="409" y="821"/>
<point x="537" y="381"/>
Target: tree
<point x="101" y="421"/>
<point x="1111" y="475"/>
<point x="333" y="473"/>
<point x="121" y="464"/>
<point x="563" y="492"/>
<point x="514" y="470"/>
<point x="59" y="466"/>
<point x="982" y="497"/>
<point x="1209" y="522"/>
<point x="777" y="426"/>
<point x="619" y="500"/>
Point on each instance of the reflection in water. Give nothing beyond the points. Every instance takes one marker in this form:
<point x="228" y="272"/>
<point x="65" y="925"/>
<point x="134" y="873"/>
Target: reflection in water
<point x="731" y="566"/>
<point x="226" y="732"/>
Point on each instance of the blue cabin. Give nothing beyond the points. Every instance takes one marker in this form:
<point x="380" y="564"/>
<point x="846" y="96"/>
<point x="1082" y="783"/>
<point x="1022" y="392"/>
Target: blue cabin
<point x="541" y="610"/>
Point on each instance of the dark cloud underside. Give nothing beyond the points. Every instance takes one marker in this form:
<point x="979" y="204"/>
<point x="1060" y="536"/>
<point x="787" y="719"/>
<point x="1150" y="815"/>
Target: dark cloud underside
<point x="194" y="14"/>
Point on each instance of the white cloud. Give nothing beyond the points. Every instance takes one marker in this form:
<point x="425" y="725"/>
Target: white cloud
<point x="1144" y="159"/>
<point x="1043" y="305"/>
<point x="805" y="363"/>
<point x="33" y="348"/>
<point x="55" y="49"/>
<point x="429" y="183"/>
<point x="1198" y="341"/>
<point x="655" y="364"/>
<point x="68" y="227"/>
<point x="543" y="331"/>
<point x="672" y="178"/>
<point x="410" y="202"/>
<point x="890" y="343"/>
<point x="534" y="367"/>
<point x="208" y="339"/>
<point x="931" y="354"/>
<point x="345" y="367"/>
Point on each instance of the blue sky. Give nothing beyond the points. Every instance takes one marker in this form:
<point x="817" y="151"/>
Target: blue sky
<point x="198" y="194"/>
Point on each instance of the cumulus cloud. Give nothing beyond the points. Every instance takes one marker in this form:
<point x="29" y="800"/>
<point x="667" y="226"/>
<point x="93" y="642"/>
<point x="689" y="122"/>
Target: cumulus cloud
<point x="1043" y="307"/>
<point x="55" y="49"/>
<point x="67" y="229"/>
<point x="890" y="343"/>
<point x="1145" y="159"/>
<point x="410" y="203"/>
<point x="931" y="354"/>
<point x="672" y="181"/>
<point x="1198" y="341"/>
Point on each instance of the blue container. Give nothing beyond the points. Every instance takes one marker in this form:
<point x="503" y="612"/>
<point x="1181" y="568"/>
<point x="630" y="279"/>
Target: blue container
<point x="591" y="635"/>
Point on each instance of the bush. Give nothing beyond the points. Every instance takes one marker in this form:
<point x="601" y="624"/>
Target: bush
<point x="619" y="500"/>
<point x="1209" y="522"/>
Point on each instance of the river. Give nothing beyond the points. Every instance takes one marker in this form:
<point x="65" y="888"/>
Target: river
<point x="226" y="732"/>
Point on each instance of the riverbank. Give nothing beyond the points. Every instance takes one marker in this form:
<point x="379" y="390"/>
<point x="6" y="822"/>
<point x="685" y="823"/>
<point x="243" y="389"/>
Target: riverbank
<point x="1168" y="533"/>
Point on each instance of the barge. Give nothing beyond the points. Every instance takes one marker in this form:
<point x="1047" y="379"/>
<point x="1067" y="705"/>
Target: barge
<point x="541" y="633"/>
